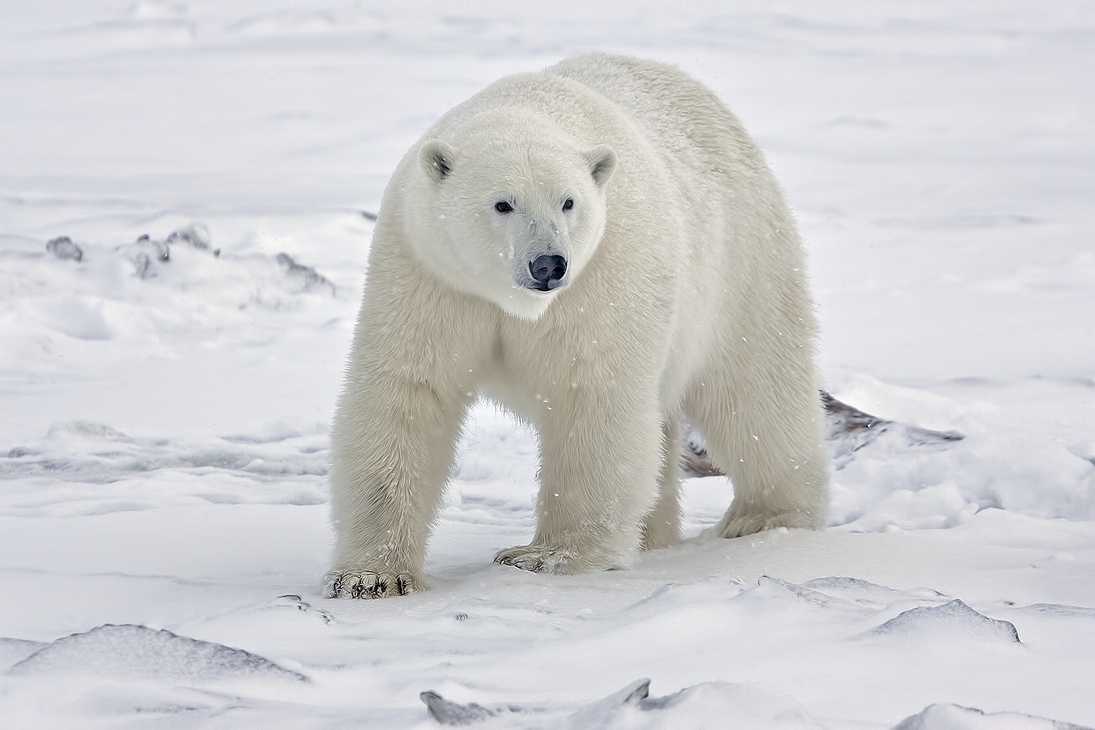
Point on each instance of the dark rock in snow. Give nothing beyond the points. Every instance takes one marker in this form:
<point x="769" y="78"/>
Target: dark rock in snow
<point x="294" y="601"/>
<point x="63" y="248"/>
<point x="308" y="276"/>
<point x="956" y="717"/>
<point x="158" y="250"/>
<point x="847" y="430"/>
<point x="951" y="619"/>
<point x="452" y="713"/>
<point x="141" y="265"/>
<point x="138" y="652"/>
<point x="146" y="253"/>
<point x="695" y="461"/>
<point x="195" y="234"/>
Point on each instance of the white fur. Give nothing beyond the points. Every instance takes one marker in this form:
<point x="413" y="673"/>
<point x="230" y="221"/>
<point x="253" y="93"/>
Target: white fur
<point x="685" y="296"/>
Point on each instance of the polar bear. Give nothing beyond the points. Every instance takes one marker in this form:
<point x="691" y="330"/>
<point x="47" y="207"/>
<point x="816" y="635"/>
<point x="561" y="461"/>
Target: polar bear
<point x="603" y="250"/>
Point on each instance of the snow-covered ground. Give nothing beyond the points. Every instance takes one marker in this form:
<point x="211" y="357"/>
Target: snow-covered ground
<point x="163" y="438"/>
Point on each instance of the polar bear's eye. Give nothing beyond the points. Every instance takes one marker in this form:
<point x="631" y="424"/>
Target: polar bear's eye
<point x="568" y="204"/>
<point x="503" y="207"/>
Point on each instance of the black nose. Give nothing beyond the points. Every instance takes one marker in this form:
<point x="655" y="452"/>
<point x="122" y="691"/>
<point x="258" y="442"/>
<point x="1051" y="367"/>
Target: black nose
<point x="548" y="270"/>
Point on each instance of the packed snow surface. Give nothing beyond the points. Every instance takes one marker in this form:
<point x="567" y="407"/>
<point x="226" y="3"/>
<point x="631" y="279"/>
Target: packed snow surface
<point x="187" y="194"/>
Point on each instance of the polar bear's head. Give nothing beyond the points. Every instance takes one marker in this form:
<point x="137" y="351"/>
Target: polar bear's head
<point x="511" y="212"/>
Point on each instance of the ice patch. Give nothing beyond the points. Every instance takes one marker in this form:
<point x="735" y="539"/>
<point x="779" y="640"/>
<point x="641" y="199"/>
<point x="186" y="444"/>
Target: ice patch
<point x="92" y="468"/>
<point x="735" y="705"/>
<point x="769" y="588"/>
<point x="956" y="717"/>
<point x="686" y="596"/>
<point x="866" y="594"/>
<point x="1057" y="609"/>
<point x="138" y="652"/>
<point x="95" y="452"/>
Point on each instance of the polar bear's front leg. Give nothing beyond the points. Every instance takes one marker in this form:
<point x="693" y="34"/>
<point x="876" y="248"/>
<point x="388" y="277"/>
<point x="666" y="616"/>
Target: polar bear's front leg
<point x="598" y="478"/>
<point x="392" y="449"/>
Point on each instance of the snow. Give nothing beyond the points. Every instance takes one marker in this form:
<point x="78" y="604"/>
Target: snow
<point x="138" y="652"/>
<point x="163" y="439"/>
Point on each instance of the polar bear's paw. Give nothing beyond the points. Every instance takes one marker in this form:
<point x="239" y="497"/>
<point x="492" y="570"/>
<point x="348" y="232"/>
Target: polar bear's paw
<point x="538" y="559"/>
<point x="738" y="524"/>
<point x="369" y="584"/>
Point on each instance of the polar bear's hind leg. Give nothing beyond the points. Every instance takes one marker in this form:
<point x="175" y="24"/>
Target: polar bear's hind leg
<point x="662" y="526"/>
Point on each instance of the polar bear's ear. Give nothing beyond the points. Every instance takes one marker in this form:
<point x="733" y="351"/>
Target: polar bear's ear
<point x="602" y="163"/>
<point x="437" y="158"/>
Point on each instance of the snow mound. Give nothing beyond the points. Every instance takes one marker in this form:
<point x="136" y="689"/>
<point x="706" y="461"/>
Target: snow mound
<point x="953" y="620"/>
<point x="138" y="652"/>
<point x="15" y="650"/>
<point x="956" y="717"/>
<point x="63" y="248"/>
<point x="886" y="478"/>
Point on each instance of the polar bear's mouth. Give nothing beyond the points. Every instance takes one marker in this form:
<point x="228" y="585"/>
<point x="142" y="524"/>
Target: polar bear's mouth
<point x="547" y="289"/>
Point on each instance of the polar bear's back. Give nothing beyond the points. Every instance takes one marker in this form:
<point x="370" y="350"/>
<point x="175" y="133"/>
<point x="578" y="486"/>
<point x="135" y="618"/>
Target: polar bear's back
<point x="736" y="240"/>
<point x="666" y="104"/>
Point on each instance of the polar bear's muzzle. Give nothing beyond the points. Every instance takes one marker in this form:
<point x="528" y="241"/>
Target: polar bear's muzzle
<point x="547" y="272"/>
